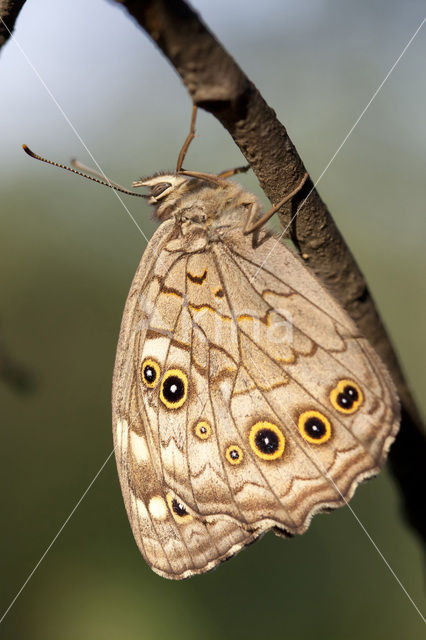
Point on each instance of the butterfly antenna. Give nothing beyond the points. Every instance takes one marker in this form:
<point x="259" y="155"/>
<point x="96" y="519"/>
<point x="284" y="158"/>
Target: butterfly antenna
<point x="98" y="179"/>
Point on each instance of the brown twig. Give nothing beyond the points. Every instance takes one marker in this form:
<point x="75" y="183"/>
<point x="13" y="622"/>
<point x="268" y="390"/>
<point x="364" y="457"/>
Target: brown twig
<point x="218" y="85"/>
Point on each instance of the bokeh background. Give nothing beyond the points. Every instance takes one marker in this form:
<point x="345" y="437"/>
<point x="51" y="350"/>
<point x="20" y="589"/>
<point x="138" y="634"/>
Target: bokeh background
<point x="68" y="253"/>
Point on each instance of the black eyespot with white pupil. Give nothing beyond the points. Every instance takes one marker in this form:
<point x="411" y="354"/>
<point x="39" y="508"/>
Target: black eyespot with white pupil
<point x="315" y="428"/>
<point x="150" y="374"/>
<point x="267" y="441"/>
<point x="173" y="389"/>
<point x="234" y="454"/>
<point x="178" y="508"/>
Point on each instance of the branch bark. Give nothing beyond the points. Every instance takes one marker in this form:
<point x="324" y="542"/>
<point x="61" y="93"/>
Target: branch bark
<point x="9" y="11"/>
<point x="217" y="84"/>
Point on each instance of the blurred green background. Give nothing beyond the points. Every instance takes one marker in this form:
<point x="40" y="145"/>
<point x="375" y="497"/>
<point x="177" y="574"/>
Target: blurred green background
<point x="68" y="253"/>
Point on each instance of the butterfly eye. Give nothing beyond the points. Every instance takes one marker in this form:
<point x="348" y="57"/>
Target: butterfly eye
<point x="267" y="440"/>
<point x="314" y="427"/>
<point x="150" y="373"/>
<point x="346" y="397"/>
<point x="159" y="189"/>
<point x="202" y="430"/>
<point x="234" y="454"/>
<point x="174" y="388"/>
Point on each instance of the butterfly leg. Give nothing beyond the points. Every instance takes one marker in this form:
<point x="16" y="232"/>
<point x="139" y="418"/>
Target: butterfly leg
<point x="252" y="224"/>
<point x="232" y="172"/>
<point x="188" y="140"/>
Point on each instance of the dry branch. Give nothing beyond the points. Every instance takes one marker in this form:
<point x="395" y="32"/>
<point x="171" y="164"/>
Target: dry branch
<point x="9" y="11"/>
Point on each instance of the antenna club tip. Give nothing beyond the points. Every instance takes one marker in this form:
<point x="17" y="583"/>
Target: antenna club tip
<point x="28" y="150"/>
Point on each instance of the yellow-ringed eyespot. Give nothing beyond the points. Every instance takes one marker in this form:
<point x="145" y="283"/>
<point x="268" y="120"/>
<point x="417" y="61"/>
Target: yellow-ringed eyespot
<point x="346" y="396"/>
<point x="314" y="427"/>
<point x="150" y="372"/>
<point x="234" y="454"/>
<point x="174" y="388"/>
<point x="202" y="430"/>
<point x="178" y="509"/>
<point x="267" y="440"/>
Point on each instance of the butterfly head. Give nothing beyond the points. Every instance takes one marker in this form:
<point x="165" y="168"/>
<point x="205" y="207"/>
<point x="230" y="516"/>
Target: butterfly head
<point x="200" y="203"/>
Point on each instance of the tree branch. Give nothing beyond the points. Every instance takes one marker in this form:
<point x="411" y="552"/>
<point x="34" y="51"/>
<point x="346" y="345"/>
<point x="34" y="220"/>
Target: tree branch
<point x="217" y="84"/>
<point x="9" y="11"/>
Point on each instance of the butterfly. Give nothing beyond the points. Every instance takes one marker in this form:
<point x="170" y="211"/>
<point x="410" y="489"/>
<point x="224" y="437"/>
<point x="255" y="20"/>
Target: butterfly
<point x="245" y="398"/>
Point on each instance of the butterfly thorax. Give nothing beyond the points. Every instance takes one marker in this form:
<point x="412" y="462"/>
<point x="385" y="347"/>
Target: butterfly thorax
<point x="203" y="211"/>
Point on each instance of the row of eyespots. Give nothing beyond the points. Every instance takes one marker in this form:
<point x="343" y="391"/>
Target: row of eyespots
<point x="346" y="397"/>
<point x="174" y="385"/>
<point x="267" y="440"/>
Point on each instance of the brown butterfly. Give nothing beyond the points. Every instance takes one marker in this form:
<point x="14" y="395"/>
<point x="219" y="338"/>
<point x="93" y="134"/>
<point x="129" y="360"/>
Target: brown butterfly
<point x="244" y="397"/>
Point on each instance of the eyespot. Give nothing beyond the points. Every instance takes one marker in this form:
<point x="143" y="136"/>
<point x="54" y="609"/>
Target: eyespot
<point x="174" y="388"/>
<point x="178" y="509"/>
<point x="267" y="440"/>
<point x="234" y="454"/>
<point x="150" y="372"/>
<point x="346" y="396"/>
<point x="202" y="430"/>
<point x="159" y="189"/>
<point x="314" y="427"/>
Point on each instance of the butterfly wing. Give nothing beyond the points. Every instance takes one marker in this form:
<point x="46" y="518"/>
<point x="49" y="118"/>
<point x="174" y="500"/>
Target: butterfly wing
<point x="245" y="398"/>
